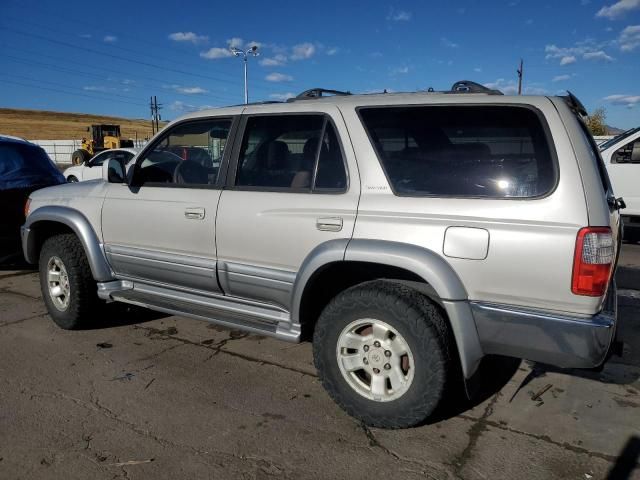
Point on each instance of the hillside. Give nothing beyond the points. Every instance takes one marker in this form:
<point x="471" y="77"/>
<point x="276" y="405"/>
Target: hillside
<point x="44" y="125"/>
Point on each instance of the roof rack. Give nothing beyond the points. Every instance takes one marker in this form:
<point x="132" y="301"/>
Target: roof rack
<point x="316" y="93"/>
<point x="467" y="86"/>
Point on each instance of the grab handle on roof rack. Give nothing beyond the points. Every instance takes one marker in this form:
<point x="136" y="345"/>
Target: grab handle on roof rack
<point x="467" y="86"/>
<point x="316" y="93"/>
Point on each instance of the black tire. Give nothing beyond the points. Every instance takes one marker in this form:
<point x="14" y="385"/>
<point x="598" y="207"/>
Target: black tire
<point x="83" y="296"/>
<point x="80" y="156"/>
<point x="423" y="328"/>
<point x="71" y="179"/>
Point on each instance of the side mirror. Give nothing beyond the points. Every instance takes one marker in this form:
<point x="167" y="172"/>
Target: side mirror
<point x="113" y="171"/>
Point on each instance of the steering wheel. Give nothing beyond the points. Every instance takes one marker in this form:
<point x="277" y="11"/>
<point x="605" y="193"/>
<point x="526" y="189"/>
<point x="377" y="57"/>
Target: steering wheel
<point x="189" y="171"/>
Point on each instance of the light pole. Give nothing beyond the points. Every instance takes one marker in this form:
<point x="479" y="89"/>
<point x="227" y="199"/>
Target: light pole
<point x="245" y="54"/>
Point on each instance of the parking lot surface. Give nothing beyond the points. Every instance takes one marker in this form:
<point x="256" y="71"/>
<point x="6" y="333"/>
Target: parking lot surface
<point x="149" y="396"/>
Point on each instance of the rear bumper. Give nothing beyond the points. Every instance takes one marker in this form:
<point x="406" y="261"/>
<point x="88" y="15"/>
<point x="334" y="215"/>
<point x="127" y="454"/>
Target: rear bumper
<point x="556" y="339"/>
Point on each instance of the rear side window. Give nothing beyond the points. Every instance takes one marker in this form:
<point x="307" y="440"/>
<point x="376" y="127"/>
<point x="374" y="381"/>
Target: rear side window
<point x="291" y="153"/>
<point x="462" y="151"/>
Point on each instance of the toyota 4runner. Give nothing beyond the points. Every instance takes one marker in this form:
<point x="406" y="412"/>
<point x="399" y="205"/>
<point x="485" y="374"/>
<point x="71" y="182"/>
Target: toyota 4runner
<point x="407" y="235"/>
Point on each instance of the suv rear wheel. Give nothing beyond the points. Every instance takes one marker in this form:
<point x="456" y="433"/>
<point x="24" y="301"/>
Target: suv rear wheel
<point x="68" y="288"/>
<point x="382" y="353"/>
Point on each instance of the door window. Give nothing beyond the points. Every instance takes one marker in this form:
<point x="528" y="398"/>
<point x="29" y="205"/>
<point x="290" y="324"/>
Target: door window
<point x="99" y="159"/>
<point x="630" y="153"/>
<point x="291" y="153"/>
<point x="190" y="154"/>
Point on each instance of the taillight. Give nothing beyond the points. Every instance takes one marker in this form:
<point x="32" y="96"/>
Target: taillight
<point x="27" y="206"/>
<point x="592" y="261"/>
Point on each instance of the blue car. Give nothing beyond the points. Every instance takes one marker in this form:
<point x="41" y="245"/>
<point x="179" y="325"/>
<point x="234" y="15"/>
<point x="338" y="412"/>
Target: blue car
<point x="24" y="167"/>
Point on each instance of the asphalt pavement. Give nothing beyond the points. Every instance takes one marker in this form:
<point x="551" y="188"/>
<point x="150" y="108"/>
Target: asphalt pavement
<point x="147" y="396"/>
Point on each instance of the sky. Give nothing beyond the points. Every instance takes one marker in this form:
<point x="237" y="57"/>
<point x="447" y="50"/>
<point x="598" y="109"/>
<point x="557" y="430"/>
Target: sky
<point x="80" y="56"/>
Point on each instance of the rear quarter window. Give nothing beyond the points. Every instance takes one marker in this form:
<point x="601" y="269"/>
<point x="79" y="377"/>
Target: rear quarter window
<point x="463" y="151"/>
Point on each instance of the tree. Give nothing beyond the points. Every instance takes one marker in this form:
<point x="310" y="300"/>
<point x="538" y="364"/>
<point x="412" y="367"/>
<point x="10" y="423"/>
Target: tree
<point x="595" y="122"/>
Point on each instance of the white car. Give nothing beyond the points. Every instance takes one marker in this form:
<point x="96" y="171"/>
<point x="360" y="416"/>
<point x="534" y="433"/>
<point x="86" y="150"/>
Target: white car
<point x="621" y="154"/>
<point x="92" y="170"/>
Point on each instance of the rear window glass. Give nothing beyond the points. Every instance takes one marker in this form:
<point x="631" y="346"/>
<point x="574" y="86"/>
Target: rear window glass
<point x="462" y="151"/>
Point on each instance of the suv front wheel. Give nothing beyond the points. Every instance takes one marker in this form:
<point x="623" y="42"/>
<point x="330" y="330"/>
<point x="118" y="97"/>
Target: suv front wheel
<point x="382" y="353"/>
<point x="68" y="288"/>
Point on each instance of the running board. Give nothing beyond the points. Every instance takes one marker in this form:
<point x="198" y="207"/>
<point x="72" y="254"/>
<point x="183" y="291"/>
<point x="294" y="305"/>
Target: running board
<point x="224" y="310"/>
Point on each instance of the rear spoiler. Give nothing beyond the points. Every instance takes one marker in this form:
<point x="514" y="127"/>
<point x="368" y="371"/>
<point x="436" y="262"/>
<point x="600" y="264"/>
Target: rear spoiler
<point x="574" y="104"/>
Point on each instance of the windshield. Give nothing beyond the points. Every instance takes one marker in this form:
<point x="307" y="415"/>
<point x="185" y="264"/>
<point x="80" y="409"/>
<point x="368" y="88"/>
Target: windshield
<point x="616" y="139"/>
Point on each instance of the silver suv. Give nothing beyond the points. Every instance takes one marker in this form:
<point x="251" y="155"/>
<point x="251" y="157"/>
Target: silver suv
<point x="407" y="235"/>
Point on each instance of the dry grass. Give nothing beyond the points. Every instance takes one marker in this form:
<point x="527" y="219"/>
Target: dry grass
<point x="43" y="125"/>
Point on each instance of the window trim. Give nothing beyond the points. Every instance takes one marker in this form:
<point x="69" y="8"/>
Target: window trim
<point x="232" y="171"/>
<point x="224" y="161"/>
<point x="546" y="131"/>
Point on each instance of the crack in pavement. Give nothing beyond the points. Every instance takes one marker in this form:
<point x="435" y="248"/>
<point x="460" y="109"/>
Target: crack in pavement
<point x="549" y="440"/>
<point x="19" y="294"/>
<point x="6" y="324"/>
<point x="227" y="352"/>
<point x="474" y="433"/>
<point x="375" y="443"/>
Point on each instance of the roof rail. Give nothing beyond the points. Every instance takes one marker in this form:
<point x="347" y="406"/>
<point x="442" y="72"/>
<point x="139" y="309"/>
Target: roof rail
<point x="467" y="86"/>
<point x="316" y="93"/>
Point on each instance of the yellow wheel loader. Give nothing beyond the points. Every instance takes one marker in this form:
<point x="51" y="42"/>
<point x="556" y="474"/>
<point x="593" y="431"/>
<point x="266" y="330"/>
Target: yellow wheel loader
<point x="102" y="137"/>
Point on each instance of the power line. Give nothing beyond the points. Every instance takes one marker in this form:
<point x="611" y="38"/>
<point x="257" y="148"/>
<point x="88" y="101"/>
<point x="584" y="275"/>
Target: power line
<point x="69" y="21"/>
<point x="93" y="97"/>
<point x="49" y="66"/>
<point x="119" y="57"/>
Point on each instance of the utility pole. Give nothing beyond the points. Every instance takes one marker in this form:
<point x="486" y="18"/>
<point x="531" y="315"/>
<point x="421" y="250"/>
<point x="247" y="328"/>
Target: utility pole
<point x="520" y="70"/>
<point x="155" y="115"/>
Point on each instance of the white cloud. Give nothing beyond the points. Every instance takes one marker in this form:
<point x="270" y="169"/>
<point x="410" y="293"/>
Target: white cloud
<point x="529" y="21"/>
<point x="180" y="107"/>
<point x="278" y="77"/>
<point x="191" y="90"/>
<point x="597" y="55"/>
<point x="186" y="90"/>
<point x="586" y="49"/>
<point x="235" y="42"/>
<point x="93" y="88"/>
<point x="281" y="96"/>
<point x="399" y="70"/>
<point x="561" y="78"/>
<point x="629" y="101"/>
<point x="216" y="52"/>
<point x="399" y="15"/>
<point x="477" y="70"/>
<point x="303" y="51"/>
<point x="629" y="38"/>
<point x="618" y="9"/>
<point x="188" y="37"/>
<point x="85" y="35"/>
<point x="110" y="39"/>
<point x="448" y="43"/>
<point x="506" y="87"/>
<point x="275" y="61"/>
<point x="332" y="51"/>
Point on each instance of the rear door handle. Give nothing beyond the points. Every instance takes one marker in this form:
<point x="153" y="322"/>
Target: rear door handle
<point x="329" y="224"/>
<point x="196" y="213"/>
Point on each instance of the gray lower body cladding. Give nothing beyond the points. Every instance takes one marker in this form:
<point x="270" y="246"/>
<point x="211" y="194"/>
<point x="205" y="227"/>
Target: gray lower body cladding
<point x="561" y="340"/>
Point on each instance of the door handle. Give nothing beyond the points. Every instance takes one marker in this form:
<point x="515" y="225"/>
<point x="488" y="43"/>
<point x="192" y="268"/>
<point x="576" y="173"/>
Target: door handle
<point x="194" y="213"/>
<point x="329" y="224"/>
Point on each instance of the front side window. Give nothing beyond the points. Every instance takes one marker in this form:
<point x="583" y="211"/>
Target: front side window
<point x="630" y="153"/>
<point x="189" y="154"/>
<point x="99" y="159"/>
<point x="462" y="151"/>
<point x="291" y="152"/>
